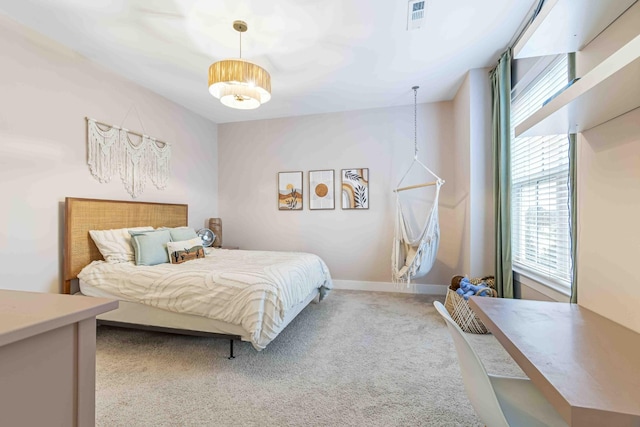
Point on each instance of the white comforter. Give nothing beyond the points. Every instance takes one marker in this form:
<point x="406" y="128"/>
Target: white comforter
<point x="253" y="289"/>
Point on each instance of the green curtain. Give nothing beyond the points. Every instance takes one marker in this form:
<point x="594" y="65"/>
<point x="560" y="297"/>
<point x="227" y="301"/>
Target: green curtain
<point x="501" y="124"/>
<point x="573" y="203"/>
<point x="573" y="196"/>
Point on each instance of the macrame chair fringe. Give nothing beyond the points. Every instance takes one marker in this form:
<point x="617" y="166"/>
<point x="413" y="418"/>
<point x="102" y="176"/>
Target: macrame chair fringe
<point x="414" y="256"/>
<point x="136" y="158"/>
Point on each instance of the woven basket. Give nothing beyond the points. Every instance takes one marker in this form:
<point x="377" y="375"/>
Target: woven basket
<point x="459" y="308"/>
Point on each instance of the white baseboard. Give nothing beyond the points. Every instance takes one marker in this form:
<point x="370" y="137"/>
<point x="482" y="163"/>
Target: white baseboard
<point x="414" y="288"/>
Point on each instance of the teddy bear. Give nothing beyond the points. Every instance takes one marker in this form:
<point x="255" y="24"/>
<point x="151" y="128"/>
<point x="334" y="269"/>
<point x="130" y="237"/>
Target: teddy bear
<point x="468" y="289"/>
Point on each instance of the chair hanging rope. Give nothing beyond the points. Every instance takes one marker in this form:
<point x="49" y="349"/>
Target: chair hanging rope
<point x="413" y="255"/>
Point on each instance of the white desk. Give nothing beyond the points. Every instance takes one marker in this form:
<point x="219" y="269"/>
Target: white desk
<point x="48" y="358"/>
<point x="587" y="366"/>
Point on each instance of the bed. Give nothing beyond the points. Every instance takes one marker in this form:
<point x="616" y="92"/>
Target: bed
<point x="239" y="295"/>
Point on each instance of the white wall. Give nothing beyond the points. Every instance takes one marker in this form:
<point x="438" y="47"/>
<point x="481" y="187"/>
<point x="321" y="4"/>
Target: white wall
<point x="609" y="197"/>
<point x="46" y="91"/>
<point x="481" y="176"/>
<point x="609" y="225"/>
<point x="474" y="173"/>
<point x="462" y="183"/>
<point x="356" y="244"/>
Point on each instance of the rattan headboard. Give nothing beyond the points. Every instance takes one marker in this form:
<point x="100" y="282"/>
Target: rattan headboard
<point x="82" y="215"/>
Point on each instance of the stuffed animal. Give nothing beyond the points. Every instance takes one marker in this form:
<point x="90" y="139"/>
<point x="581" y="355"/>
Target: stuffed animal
<point x="468" y="289"/>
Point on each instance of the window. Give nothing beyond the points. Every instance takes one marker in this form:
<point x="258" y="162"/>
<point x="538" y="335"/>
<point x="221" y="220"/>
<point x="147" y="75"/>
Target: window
<point x="540" y="216"/>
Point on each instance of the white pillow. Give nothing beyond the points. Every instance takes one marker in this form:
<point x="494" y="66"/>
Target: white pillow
<point x="185" y="250"/>
<point x="115" y="245"/>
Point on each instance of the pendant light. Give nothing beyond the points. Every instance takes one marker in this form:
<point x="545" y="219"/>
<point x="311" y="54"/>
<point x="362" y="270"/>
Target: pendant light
<point x="238" y="83"/>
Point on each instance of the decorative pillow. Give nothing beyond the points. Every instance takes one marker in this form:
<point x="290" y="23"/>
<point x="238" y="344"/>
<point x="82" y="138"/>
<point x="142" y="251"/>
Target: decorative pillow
<point x="115" y="245"/>
<point x="185" y="250"/>
<point x="150" y="247"/>
<point x="179" y="234"/>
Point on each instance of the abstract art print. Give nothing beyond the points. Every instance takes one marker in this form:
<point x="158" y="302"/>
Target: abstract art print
<point x="290" y="191"/>
<point x="355" y="188"/>
<point x="321" y="190"/>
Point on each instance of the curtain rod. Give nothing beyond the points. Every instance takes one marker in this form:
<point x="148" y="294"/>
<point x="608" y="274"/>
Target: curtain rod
<point x="533" y="12"/>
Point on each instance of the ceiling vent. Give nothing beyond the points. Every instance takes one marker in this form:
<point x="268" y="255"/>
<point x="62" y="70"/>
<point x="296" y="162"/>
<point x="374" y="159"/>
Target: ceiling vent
<point x="416" y="16"/>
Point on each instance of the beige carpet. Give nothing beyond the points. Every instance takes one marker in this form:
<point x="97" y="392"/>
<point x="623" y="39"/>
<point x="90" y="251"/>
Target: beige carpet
<point x="355" y="359"/>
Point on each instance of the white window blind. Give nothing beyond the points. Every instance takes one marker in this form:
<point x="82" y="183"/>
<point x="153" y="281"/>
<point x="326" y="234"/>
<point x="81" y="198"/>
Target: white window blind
<point x="540" y="217"/>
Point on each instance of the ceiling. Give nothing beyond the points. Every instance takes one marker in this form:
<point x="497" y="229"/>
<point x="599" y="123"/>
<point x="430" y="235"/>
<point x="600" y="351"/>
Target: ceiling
<point x="323" y="55"/>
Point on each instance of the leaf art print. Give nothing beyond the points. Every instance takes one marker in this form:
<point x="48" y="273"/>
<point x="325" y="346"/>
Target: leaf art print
<point x="290" y="191"/>
<point x="355" y="188"/>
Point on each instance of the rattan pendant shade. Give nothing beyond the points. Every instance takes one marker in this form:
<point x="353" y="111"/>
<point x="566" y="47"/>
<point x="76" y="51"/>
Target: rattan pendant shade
<point x="238" y="83"/>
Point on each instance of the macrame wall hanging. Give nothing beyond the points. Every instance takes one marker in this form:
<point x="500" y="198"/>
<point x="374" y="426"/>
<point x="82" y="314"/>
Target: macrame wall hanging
<point x="136" y="157"/>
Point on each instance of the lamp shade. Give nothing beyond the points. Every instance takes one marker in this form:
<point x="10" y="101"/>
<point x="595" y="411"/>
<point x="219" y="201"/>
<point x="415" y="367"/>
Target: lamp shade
<point x="239" y="84"/>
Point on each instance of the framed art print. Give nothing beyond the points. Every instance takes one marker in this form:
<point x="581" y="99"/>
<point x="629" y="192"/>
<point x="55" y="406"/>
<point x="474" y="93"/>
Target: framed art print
<point x="290" y="191"/>
<point x="321" y="190"/>
<point x="355" y="188"/>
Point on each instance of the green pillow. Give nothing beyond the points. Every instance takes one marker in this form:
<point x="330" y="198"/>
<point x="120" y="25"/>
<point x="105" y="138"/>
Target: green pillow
<point x="178" y="234"/>
<point x="150" y="247"/>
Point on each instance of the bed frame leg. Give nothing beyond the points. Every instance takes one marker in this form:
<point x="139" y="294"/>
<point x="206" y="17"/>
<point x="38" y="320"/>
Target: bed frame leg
<point x="231" y="356"/>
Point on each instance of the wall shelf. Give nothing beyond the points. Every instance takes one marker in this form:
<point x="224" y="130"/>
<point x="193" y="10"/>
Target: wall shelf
<point x="611" y="89"/>
<point x="564" y="26"/>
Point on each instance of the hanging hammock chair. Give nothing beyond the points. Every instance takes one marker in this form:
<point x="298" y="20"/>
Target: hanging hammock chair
<point x="414" y="253"/>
